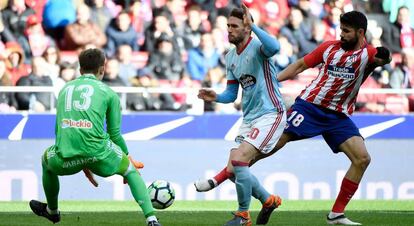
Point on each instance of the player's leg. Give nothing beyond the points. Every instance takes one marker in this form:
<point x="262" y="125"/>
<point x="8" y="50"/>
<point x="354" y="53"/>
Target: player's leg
<point x="52" y="166"/>
<point x="240" y="159"/>
<point x="356" y="151"/>
<point x="204" y="185"/>
<point x="117" y="162"/>
<point x="344" y="136"/>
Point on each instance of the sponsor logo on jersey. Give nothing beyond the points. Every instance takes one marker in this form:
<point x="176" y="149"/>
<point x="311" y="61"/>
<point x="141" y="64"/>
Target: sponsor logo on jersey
<point x="80" y="124"/>
<point x="239" y="139"/>
<point x="247" y="81"/>
<point x="341" y="72"/>
<point x="77" y="162"/>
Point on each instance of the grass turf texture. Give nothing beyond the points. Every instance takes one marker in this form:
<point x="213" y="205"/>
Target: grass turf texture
<point x="208" y="213"/>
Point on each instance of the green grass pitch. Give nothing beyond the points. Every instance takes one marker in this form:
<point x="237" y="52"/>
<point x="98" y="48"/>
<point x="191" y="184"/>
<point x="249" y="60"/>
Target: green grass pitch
<point x="209" y="213"/>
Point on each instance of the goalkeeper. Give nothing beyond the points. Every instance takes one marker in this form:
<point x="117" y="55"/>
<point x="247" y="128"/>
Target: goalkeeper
<point x="83" y="144"/>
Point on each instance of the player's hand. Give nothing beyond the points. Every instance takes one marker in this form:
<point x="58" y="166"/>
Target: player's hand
<point x="137" y="164"/>
<point x="247" y="17"/>
<point x="207" y="94"/>
<point x="90" y="177"/>
<point x="382" y="57"/>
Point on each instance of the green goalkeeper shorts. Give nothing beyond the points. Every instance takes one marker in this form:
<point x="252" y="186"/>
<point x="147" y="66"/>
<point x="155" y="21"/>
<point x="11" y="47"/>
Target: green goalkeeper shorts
<point x="114" y="161"/>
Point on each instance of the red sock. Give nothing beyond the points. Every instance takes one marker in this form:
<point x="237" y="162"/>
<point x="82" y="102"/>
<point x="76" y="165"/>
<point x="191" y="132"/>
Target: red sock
<point x="222" y="176"/>
<point x="348" y="189"/>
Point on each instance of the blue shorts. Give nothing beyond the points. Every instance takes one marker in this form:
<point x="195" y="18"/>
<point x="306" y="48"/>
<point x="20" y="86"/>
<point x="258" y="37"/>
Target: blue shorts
<point x="307" y="120"/>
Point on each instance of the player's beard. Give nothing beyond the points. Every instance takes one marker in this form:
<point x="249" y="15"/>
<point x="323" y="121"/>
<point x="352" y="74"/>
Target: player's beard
<point x="350" y="44"/>
<point x="236" y="40"/>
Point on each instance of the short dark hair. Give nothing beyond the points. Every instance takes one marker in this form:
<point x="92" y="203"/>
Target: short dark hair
<point x="238" y="13"/>
<point x="355" y="19"/>
<point x="91" y="60"/>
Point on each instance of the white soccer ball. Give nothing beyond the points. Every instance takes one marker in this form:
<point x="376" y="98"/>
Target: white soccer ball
<point x="161" y="193"/>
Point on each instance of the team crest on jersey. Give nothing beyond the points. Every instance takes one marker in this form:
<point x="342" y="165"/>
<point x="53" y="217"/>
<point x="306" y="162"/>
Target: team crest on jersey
<point x="239" y="139"/>
<point x="247" y="81"/>
<point x="353" y="58"/>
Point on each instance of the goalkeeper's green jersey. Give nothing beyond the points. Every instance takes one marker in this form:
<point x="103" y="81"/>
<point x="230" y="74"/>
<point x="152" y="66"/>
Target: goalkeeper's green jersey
<point x="83" y="106"/>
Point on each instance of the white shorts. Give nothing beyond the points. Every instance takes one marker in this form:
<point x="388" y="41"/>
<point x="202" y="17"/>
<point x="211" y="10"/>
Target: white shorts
<point x="264" y="132"/>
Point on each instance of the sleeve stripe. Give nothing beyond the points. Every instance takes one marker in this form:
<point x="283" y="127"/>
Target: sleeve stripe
<point x="232" y="82"/>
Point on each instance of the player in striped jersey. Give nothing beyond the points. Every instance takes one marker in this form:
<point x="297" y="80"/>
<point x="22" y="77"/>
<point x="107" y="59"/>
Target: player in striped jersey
<point x="324" y="106"/>
<point x="264" y="117"/>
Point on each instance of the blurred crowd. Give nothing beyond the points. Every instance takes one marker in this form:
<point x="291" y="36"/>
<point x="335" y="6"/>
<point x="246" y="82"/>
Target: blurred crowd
<point x="182" y="44"/>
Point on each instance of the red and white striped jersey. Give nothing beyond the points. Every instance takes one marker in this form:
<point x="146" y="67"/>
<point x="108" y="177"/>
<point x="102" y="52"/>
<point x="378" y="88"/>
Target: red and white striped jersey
<point x="340" y="76"/>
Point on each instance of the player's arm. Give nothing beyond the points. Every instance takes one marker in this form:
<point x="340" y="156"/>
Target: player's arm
<point x="227" y="96"/>
<point x="270" y="45"/>
<point x="310" y="60"/>
<point x="113" y="122"/>
<point x="292" y="70"/>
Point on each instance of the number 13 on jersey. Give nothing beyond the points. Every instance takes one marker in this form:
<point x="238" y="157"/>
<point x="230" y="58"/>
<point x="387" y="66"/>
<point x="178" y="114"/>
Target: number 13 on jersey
<point x="81" y="102"/>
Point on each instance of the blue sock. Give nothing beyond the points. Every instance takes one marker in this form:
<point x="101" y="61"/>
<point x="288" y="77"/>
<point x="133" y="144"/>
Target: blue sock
<point x="258" y="191"/>
<point x="243" y="186"/>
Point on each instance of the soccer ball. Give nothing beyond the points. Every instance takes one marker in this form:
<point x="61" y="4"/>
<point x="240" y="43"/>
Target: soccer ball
<point x="161" y="193"/>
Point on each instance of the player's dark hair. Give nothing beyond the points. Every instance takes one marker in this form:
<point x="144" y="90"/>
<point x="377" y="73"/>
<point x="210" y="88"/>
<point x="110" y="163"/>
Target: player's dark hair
<point x="91" y="60"/>
<point x="238" y="13"/>
<point x="354" y="19"/>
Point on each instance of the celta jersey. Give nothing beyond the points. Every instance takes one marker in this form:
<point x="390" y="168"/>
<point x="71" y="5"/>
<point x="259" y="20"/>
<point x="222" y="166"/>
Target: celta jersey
<point x="256" y="74"/>
<point x="340" y="77"/>
<point x="83" y="107"/>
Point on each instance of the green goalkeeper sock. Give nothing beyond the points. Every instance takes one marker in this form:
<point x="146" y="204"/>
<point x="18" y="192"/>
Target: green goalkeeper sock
<point x="139" y="191"/>
<point x="51" y="187"/>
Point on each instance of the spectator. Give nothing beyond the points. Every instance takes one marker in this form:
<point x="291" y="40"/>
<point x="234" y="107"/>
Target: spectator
<point x="37" y="39"/>
<point x="153" y="101"/>
<point x="286" y="54"/>
<point x="67" y="73"/>
<point x="52" y="57"/>
<point x="100" y="13"/>
<point x="213" y="80"/>
<point x="164" y="62"/>
<point x="83" y="32"/>
<point x="391" y="7"/>
<point x="141" y="16"/>
<point x="127" y="70"/>
<point x="112" y="78"/>
<point x="193" y="28"/>
<point x="399" y="34"/>
<point x="332" y="24"/>
<point x="5" y="34"/>
<point x="296" y="30"/>
<point x="15" y="18"/>
<point x="403" y="75"/>
<point x="38" y="102"/>
<point x="120" y="32"/>
<point x="15" y="62"/>
<point x="318" y="36"/>
<point x="8" y="102"/>
<point x="56" y="15"/>
<point x="160" y="25"/>
<point x="202" y="58"/>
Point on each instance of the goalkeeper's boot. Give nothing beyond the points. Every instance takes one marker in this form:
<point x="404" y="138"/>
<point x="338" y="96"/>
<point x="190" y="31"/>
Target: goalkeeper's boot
<point x="271" y="204"/>
<point x="205" y="185"/>
<point x="341" y="220"/>
<point x="39" y="208"/>
<point x="154" y="223"/>
<point x="240" y="218"/>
